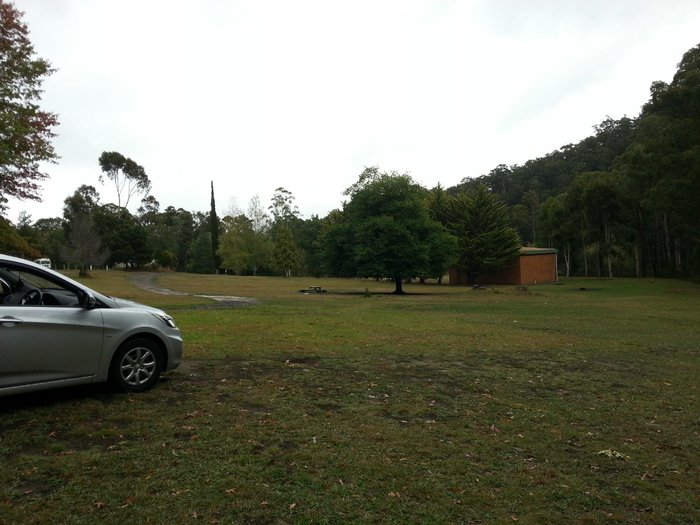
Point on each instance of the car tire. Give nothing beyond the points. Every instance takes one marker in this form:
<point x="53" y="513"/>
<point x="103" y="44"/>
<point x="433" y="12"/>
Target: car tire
<point x="136" y="366"/>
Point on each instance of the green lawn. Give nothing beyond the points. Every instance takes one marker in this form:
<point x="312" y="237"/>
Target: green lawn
<point x="575" y="403"/>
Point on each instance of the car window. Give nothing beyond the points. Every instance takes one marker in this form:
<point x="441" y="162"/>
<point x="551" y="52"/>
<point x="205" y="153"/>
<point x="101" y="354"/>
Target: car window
<point x="20" y="287"/>
<point x="35" y="280"/>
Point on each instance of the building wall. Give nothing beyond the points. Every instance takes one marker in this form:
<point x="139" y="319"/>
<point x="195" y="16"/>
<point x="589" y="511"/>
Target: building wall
<point x="541" y="268"/>
<point x="509" y="274"/>
<point x="528" y="268"/>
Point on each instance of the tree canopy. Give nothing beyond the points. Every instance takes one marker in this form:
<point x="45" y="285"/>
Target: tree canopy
<point x="25" y="130"/>
<point x="480" y="222"/>
<point x="128" y="177"/>
<point x="385" y="231"/>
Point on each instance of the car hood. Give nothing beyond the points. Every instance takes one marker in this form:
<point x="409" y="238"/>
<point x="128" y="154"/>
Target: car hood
<point x="116" y="302"/>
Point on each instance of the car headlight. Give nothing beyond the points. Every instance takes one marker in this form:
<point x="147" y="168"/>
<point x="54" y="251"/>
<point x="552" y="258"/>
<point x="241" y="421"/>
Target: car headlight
<point x="166" y="319"/>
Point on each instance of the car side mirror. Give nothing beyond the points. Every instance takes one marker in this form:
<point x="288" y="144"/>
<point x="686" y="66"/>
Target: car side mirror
<point x="87" y="300"/>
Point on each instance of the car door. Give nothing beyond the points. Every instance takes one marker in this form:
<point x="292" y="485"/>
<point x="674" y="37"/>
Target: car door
<point x="48" y="343"/>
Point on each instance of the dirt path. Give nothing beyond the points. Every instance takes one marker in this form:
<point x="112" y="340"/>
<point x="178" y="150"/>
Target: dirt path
<point x="147" y="281"/>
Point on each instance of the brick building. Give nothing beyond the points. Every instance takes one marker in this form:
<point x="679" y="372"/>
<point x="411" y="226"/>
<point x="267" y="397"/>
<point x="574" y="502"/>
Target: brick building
<point x="532" y="266"/>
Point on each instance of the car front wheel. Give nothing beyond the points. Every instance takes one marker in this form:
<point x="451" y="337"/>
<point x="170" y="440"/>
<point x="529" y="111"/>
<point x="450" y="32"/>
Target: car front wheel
<point x="136" y="366"/>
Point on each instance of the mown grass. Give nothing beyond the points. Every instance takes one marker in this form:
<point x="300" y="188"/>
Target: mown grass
<point x="575" y="403"/>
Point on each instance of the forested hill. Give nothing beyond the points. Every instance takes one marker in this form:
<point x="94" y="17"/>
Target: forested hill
<point x="624" y="200"/>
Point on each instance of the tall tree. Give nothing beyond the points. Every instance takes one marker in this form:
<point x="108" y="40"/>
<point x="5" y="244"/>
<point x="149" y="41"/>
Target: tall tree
<point x="285" y="219"/>
<point x="84" y="244"/>
<point x="602" y="206"/>
<point x="285" y="251"/>
<point x="260" y="221"/>
<point x="172" y="237"/>
<point x="214" y="226"/>
<point x="123" y="236"/>
<point x="437" y="201"/>
<point x="25" y="130"/>
<point x="128" y="177"/>
<point x="84" y="201"/>
<point x="486" y="240"/>
<point x="385" y="231"/>
<point x="559" y="228"/>
<point x="308" y="236"/>
<point x="244" y="250"/>
<point x="665" y="160"/>
<point x="200" y="254"/>
<point x="234" y="250"/>
<point x="282" y="207"/>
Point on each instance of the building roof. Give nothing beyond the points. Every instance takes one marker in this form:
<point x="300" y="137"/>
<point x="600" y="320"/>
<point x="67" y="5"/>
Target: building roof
<point x="531" y="250"/>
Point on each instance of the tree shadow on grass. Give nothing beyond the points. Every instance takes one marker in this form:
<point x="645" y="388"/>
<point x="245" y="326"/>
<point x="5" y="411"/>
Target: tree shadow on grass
<point x="370" y="294"/>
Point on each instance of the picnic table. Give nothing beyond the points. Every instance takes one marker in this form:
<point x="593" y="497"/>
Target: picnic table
<point x="313" y="289"/>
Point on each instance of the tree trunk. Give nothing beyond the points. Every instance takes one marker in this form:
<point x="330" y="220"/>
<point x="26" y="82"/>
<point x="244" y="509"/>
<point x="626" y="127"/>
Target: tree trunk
<point x="608" y="242"/>
<point x="667" y="238"/>
<point x="399" y="286"/>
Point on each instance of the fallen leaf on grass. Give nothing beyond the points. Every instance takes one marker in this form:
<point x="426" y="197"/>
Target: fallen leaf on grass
<point x="128" y="501"/>
<point x="613" y="454"/>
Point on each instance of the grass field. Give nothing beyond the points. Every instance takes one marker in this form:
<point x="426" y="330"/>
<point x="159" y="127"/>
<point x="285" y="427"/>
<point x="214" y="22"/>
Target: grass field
<point x="575" y="403"/>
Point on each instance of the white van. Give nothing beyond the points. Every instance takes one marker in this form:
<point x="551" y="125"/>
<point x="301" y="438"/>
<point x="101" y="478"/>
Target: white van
<point x="44" y="262"/>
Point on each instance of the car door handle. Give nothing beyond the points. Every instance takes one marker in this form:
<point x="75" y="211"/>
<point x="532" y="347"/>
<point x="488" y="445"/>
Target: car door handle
<point x="9" y="322"/>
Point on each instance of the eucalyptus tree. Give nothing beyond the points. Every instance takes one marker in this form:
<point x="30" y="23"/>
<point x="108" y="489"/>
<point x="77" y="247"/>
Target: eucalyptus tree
<point x="664" y="166"/>
<point x="559" y="229"/>
<point x="128" y="177"/>
<point x="603" y="206"/>
<point x="285" y="221"/>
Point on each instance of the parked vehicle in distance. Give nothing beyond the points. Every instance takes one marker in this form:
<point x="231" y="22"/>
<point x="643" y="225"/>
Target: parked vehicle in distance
<point x="43" y="262"/>
<point x="56" y="332"/>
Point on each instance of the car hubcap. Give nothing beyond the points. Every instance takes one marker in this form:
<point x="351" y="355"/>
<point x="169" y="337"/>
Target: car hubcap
<point x="138" y="366"/>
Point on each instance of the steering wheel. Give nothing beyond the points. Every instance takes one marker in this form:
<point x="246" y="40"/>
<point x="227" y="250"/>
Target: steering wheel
<point x="5" y="286"/>
<point x="31" y="297"/>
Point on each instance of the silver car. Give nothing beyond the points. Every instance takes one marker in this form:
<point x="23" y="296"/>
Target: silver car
<point x="57" y="332"/>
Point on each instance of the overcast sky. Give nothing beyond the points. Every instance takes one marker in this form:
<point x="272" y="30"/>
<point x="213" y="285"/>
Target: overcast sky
<point x="303" y="94"/>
